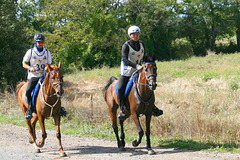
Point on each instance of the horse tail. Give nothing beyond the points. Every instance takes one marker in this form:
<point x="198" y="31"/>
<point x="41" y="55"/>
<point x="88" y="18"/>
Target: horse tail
<point x="19" y="86"/>
<point x="110" y="81"/>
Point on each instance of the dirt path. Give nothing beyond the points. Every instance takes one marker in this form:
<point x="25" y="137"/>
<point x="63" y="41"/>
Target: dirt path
<point x="14" y="146"/>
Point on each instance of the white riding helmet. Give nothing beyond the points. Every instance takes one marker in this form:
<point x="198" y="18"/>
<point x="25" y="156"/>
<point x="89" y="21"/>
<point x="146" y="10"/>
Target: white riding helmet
<point x="133" y="29"/>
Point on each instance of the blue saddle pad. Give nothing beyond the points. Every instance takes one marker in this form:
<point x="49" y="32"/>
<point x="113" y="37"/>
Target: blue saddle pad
<point x="128" y="87"/>
<point x="35" y="92"/>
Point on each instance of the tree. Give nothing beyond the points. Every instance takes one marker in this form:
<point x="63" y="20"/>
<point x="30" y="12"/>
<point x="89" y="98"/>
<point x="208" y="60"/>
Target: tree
<point x="12" y="43"/>
<point x="85" y="34"/>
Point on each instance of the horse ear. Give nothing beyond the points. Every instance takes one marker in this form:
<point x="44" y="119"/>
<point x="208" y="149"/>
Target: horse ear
<point x="146" y="59"/>
<point x="49" y="68"/>
<point x="153" y="58"/>
<point x="59" y="65"/>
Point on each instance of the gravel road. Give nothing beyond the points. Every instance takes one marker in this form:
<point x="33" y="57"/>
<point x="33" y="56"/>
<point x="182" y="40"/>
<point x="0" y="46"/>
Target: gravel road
<point x="14" y="145"/>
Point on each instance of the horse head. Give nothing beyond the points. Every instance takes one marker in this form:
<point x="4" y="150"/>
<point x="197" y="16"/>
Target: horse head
<point x="56" y="78"/>
<point x="150" y="71"/>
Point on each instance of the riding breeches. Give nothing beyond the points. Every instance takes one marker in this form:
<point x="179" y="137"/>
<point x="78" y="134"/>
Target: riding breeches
<point x="31" y="84"/>
<point x="121" y="89"/>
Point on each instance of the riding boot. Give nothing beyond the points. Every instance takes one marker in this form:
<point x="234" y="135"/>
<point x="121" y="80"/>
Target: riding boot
<point x="122" y="115"/>
<point x="63" y="112"/>
<point x="157" y="112"/>
<point x="28" y="114"/>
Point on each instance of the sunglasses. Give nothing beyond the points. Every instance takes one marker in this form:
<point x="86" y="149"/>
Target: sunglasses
<point x="40" y="42"/>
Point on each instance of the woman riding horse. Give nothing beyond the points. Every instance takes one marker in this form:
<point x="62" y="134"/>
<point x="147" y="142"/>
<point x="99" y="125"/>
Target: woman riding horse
<point x="132" y="56"/>
<point x="140" y="100"/>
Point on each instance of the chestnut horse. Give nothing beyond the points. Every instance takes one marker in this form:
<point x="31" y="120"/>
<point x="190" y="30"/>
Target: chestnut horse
<point x="139" y="101"/>
<point x="48" y="103"/>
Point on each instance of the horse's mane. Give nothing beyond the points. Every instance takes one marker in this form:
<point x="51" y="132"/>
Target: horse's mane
<point x="19" y="86"/>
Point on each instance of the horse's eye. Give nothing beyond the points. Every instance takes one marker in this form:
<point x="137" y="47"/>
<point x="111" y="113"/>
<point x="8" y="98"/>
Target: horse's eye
<point x="53" y="78"/>
<point x="145" y="70"/>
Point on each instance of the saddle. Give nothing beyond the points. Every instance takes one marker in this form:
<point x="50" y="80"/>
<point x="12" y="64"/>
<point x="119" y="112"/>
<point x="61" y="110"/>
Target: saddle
<point x="34" y="93"/>
<point x="129" y="85"/>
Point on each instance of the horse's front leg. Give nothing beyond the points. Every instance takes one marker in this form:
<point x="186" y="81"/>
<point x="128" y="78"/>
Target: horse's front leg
<point x="149" y="148"/>
<point x="58" y="134"/>
<point x="44" y="134"/>
<point x="140" y="130"/>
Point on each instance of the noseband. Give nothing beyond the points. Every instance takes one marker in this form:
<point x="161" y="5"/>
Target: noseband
<point x="56" y="84"/>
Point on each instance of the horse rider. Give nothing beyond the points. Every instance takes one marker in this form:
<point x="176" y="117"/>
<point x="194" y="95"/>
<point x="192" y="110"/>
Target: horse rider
<point x="35" y="61"/>
<point x="131" y="59"/>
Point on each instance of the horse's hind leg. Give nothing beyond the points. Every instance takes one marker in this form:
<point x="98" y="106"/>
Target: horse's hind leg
<point x="140" y="130"/>
<point x="30" y="127"/>
<point x="31" y="130"/>
<point x="44" y="134"/>
<point x="113" y="114"/>
<point x="33" y="135"/>
<point x="58" y="134"/>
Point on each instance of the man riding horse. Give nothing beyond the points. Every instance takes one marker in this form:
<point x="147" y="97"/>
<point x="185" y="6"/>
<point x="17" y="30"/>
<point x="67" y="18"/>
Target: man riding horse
<point x="35" y="61"/>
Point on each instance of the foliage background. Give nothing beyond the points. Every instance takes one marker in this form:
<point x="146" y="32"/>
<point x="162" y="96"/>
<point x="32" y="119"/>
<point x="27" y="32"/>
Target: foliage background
<point x="89" y="34"/>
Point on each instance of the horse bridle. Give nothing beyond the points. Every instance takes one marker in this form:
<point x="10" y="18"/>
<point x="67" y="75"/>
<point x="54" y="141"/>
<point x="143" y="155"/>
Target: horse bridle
<point x="148" y="78"/>
<point x="54" y="84"/>
<point x="150" y="75"/>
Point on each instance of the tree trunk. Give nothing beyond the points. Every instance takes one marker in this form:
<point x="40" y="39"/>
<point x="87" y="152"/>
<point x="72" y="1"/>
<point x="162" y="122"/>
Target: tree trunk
<point x="238" y="39"/>
<point x="213" y="28"/>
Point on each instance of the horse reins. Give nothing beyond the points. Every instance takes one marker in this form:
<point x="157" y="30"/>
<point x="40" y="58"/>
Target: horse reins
<point x="135" y="86"/>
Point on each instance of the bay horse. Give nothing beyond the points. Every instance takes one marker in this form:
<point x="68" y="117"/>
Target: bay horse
<point x="48" y="103"/>
<point x="139" y="101"/>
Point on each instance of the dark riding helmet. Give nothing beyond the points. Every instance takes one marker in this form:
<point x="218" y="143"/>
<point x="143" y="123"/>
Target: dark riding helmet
<point x="39" y="37"/>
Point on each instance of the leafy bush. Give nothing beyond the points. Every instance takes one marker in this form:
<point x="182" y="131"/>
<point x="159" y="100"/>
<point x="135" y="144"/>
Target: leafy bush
<point x="234" y="83"/>
<point x="208" y="76"/>
<point x="182" y="48"/>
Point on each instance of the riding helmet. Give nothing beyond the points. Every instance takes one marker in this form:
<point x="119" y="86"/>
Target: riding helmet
<point x="133" y="29"/>
<point x="39" y="37"/>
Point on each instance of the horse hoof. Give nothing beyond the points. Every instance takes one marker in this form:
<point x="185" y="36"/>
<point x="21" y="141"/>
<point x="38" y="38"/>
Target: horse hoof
<point x="37" y="150"/>
<point x="30" y="140"/>
<point x="40" y="145"/>
<point x="134" y="143"/>
<point x="122" y="149"/>
<point x="151" y="152"/>
<point x="63" y="154"/>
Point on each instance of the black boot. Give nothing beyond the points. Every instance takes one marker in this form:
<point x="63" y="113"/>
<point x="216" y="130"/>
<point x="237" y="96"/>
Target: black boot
<point x="122" y="115"/>
<point x="63" y="112"/>
<point x="157" y="112"/>
<point x="28" y="114"/>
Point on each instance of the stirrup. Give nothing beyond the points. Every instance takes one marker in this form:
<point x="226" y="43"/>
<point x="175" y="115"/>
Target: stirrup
<point x="63" y="112"/>
<point x="122" y="116"/>
<point x="157" y="112"/>
<point x="28" y="114"/>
